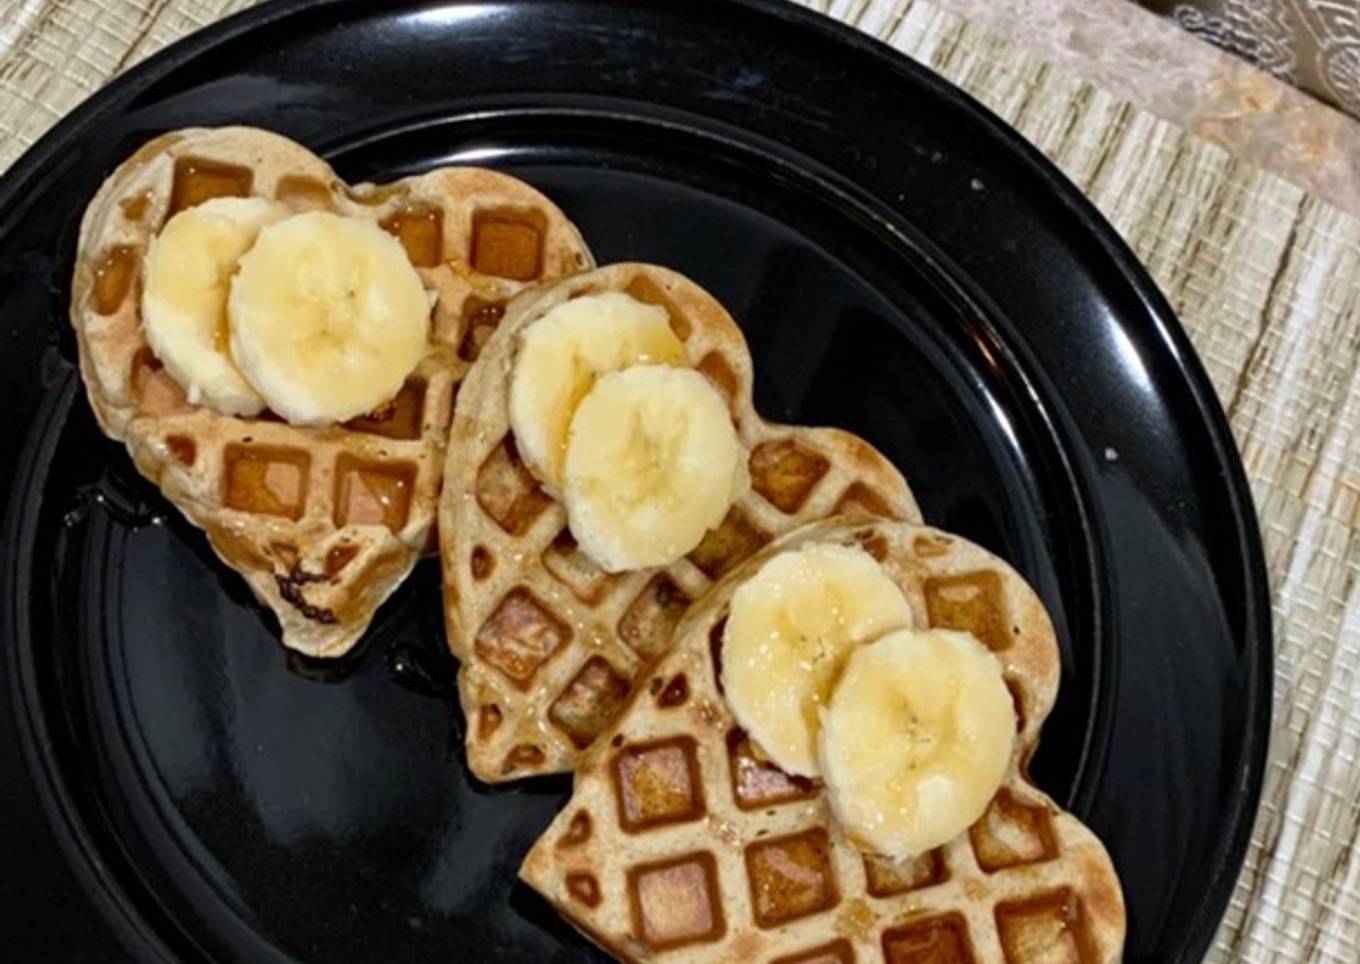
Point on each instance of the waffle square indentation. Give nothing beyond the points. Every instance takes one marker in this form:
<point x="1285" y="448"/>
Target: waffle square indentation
<point x="197" y="180"/>
<point x="480" y="319"/>
<point x="859" y="498"/>
<point x="933" y="940"/>
<point x="1012" y="833"/>
<point x="574" y="569"/>
<point x="420" y="231"/>
<point x="508" y="244"/>
<point x="675" y="902"/>
<point x="373" y="493"/>
<point x="585" y="888"/>
<point x="736" y="538"/>
<point x="266" y="480"/>
<point x="785" y="472"/>
<point x="589" y="701"/>
<point x="973" y="602"/>
<point x="508" y="492"/>
<point x="156" y="392"/>
<point x="647" y="291"/>
<point x="400" y="418"/>
<point x="715" y="368"/>
<point x="658" y="783"/>
<point x="650" y="620"/>
<point x="888" y="878"/>
<point x="757" y="783"/>
<point x="304" y="193"/>
<point x="183" y="448"/>
<point x="113" y="277"/>
<point x="520" y="636"/>
<point x="791" y="877"/>
<point x="1046" y="929"/>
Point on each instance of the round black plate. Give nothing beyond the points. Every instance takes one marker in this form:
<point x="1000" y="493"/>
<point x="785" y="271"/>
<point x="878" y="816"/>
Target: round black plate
<point x="904" y="266"/>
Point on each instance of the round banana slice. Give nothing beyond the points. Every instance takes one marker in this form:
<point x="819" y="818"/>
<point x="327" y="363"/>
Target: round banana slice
<point x="189" y="267"/>
<point x="916" y="740"/>
<point x="653" y="462"/>
<point x="562" y="354"/>
<point x="328" y="317"/>
<point x="789" y="631"/>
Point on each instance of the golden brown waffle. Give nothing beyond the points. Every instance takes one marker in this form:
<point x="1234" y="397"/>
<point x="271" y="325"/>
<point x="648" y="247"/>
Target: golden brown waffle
<point x="324" y="523"/>
<point x="679" y="844"/>
<point x="548" y="643"/>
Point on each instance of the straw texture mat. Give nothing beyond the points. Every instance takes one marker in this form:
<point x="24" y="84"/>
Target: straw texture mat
<point x="1265" y="278"/>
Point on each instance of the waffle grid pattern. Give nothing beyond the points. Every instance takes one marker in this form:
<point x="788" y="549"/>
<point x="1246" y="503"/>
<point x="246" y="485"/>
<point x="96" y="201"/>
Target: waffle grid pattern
<point x="323" y="522"/>
<point x="550" y="644"/>
<point x="679" y="844"/>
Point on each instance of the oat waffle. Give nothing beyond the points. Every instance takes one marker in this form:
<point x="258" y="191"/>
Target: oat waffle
<point x="548" y="643"/>
<point x="679" y="844"/>
<point x="324" y="523"/>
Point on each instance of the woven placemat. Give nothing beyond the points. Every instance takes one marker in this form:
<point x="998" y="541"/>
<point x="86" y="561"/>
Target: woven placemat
<point x="1265" y="278"/>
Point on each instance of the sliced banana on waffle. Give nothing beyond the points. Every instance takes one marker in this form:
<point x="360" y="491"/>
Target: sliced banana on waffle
<point x="328" y="317"/>
<point x="560" y="357"/>
<point x="652" y="463"/>
<point x="916" y="740"/>
<point x="189" y="267"/>
<point x="791" y="627"/>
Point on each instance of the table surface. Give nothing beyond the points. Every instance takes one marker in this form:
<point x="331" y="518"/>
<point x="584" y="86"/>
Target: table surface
<point x="1240" y="194"/>
<point x="1314" y="44"/>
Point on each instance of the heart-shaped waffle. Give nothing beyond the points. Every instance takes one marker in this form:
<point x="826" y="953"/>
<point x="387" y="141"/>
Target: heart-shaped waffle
<point x="549" y="644"/>
<point x="679" y="843"/>
<point x="324" y="523"/>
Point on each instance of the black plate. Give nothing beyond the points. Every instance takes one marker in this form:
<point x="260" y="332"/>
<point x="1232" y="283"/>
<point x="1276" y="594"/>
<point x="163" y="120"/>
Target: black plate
<point x="904" y="266"/>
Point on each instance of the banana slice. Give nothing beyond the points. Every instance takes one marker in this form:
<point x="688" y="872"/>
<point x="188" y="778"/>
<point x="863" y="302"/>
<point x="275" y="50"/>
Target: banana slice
<point x="562" y="354"/>
<point x="328" y="317"/>
<point x="653" y="462"/>
<point x="189" y="267"/>
<point x="789" y="631"/>
<point x="916" y="740"/>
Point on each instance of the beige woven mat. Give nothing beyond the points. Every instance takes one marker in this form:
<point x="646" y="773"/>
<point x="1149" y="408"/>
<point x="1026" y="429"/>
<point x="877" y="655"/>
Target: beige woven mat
<point x="1265" y="278"/>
